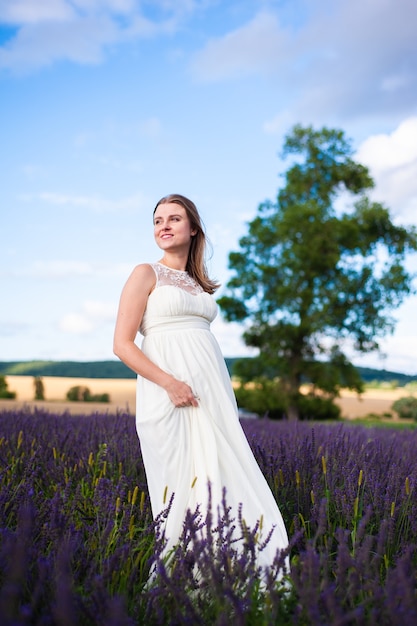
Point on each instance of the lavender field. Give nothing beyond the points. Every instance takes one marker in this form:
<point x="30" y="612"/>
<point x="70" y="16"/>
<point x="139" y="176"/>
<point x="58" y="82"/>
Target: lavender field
<point x="78" y="545"/>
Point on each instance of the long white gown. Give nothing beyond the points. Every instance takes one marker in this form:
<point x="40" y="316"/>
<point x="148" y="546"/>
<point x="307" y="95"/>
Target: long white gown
<point x="185" y="448"/>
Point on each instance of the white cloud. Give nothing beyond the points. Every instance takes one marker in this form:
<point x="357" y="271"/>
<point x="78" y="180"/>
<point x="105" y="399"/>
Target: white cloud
<point x="99" y="310"/>
<point x="390" y="151"/>
<point x="77" y="40"/>
<point x="94" y="313"/>
<point x="257" y="47"/>
<point x="353" y="58"/>
<point x="360" y="58"/>
<point x="75" y="323"/>
<point x="79" y="31"/>
<point x="392" y="160"/>
<point x="397" y="355"/>
<point x="94" y="203"/>
<point x="116" y="6"/>
<point x="30" y="12"/>
<point x="56" y="269"/>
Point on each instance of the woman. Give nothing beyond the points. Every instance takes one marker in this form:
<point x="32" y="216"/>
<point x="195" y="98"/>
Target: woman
<point x="186" y="417"/>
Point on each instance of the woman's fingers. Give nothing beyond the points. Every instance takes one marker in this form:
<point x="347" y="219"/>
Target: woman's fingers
<point x="183" y="395"/>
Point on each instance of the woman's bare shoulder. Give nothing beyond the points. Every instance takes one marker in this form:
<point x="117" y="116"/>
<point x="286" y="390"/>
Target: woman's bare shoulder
<point x="143" y="274"/>
<point x="143" y="269"/>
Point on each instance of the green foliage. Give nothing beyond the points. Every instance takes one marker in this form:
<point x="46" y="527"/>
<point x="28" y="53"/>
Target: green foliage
<point x="80" y="393"/>
<point x="39" y="388"/>
<point x="262" y="396"/>
<point x="101" y="397"/>
<point x="308" y="278"/>
<point x="4" y="392"/>
<point x="314" y="407"/>
<point x="406" y="407"/>
<point x="267" y="398"/>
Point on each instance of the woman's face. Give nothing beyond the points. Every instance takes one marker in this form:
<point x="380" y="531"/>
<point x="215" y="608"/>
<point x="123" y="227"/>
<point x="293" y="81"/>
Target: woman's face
<point x="172" y="228"/>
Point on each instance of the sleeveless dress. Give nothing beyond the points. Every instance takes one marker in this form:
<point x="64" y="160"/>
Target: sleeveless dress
<point x="184" y="449"/>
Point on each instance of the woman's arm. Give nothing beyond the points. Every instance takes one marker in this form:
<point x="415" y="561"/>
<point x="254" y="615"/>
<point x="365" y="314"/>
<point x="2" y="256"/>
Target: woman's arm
<point x="132" y="306"/>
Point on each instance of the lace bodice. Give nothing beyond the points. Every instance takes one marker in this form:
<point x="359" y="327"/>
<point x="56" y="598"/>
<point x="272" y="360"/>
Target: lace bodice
<point x="176" y="302"/>
<point x="176" y="278"/>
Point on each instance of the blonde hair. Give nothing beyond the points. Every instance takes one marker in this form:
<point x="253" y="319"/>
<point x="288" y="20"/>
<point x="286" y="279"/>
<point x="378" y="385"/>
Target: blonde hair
<point x="196" y="262"/>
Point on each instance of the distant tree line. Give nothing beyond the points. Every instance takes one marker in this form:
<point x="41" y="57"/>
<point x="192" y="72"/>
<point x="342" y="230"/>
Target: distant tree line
<point x="67" y="369"/>
<point x="116" y="369"/>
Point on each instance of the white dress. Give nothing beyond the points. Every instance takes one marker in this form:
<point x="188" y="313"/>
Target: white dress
<point x="185" y="448"/>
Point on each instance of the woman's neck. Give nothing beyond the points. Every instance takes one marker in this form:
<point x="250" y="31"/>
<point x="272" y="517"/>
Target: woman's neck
<point x="174" y="262"/>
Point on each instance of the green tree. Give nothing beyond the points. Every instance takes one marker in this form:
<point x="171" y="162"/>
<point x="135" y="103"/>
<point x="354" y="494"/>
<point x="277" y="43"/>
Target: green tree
<point x="4" y="389"/>
<point x="406" y="407"/>
<point x="309" y="278"/>
<point x="39" y="388"/>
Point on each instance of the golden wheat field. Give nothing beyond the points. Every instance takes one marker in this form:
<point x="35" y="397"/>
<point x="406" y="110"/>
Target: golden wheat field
<point x="122" y="396"/>
<point x="121" y="391"/>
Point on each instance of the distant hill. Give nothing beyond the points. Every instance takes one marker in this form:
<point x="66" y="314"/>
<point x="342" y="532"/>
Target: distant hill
<point x="367" y="374"/>
<point x="67" y="369"/>
<point x="116" y="369"/>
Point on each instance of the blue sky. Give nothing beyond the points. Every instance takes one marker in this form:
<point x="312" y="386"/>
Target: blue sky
<point x="107" y="105"/>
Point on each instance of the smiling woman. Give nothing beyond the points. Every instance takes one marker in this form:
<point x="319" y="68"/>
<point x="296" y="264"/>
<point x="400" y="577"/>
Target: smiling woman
<point x="191" y="439"/>
<point x="100" y="143"/>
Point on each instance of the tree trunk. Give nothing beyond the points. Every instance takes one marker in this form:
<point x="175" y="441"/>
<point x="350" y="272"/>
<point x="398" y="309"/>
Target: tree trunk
<point x="293" y="413"/>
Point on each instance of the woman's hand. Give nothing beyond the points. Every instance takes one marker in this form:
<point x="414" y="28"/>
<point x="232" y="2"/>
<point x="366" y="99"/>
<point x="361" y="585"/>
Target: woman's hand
<point x="181" y="394"/>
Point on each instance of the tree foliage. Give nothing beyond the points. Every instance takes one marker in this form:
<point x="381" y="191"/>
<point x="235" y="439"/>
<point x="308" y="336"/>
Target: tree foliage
<point x="4" y="389"/>
<point x="308" y="277"/>
<point x="406" y="407"/>
<point x="80" y="393"/>
<point x="39" y="388"/>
